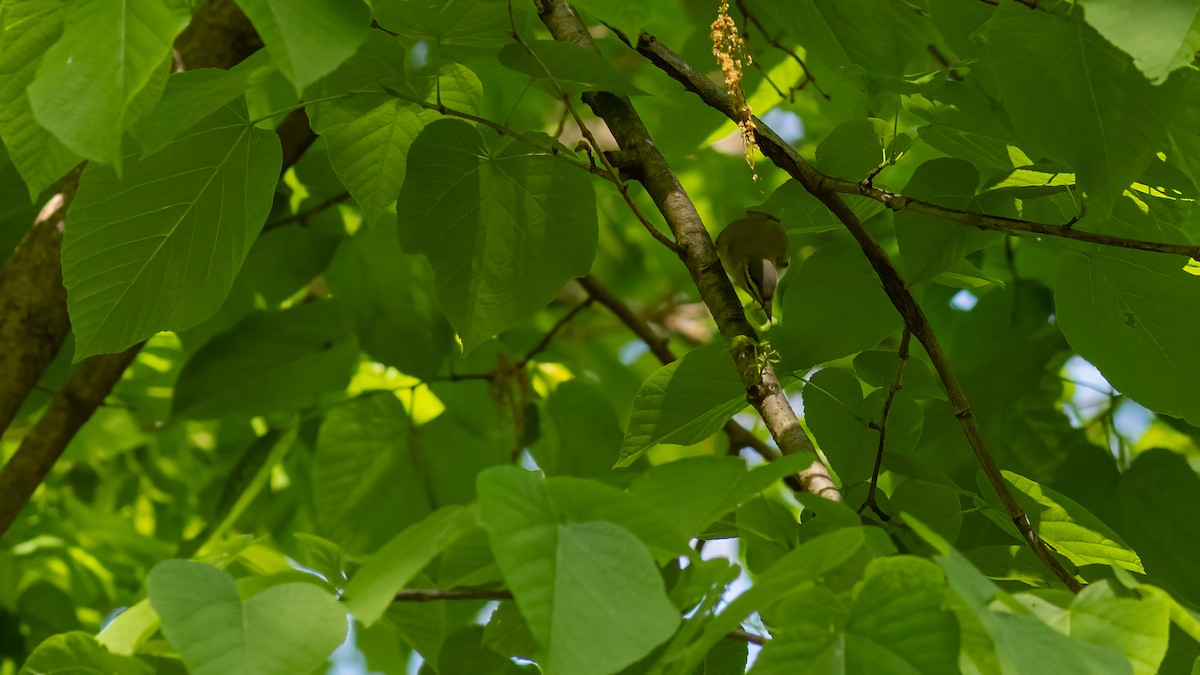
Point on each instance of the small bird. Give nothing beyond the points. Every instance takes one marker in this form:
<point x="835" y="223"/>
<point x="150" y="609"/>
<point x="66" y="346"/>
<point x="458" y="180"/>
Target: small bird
<point x="754" y="251"/>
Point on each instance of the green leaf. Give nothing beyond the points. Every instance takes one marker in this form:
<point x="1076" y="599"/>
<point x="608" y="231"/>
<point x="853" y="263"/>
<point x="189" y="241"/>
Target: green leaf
<point x="1022" y="643"/>
<point x="768" y="530"/>
<point x="472" y="25"/>
<point x="571" y="68"/>
<point x="129" y="629"/>
<point x="364" y="485"/>
<point x="86" y="84"/>
<point x="554" y="571"/>
<point x="464" y="652"/>
<point x="78" y="652"/>
<point x="30" y="28"/>
<point x="931" y="245"/>
<point x="373" y="587"/>
<point x="507" y="633"/>
<point x="368" y="134"/>
<point x="897" y="624"/>
<point x="165" y="254"/>
<point x="840" y="420"/>
<point x="269" y="361"/>
<point x="727" y="657"/>
<point x="1107" y="120"/>
<point x="391" y="296"/>
<point x="1133" y="314"/>
<point x="877" y="368"/>
<point x="938" y="504"/>
<point x="853" y="149"/>
<point x="307" y="41"/>
<point x="684" y="402"/>
<point x="1155" y="33"/>
<point x="627" y="17"/>
<point x="504" y="227"/>
<point x="284" y="260"/>
<point x="577" y="500"/>
<point x="810" y="560"/>
<point x="899" y="616"/>
<point x="698" y="491"/>
<point x="798" y="211"/>
<point x="853" y="35"/>
<point x="1162" y="518"/>
<point x="289" y="628"/>
<point x="966" y="123"/>
<point x="836" y="307"/>
<point x="1138" y="626"/>
<point x="192" y="95"/>
<point x="1071" y="529"/>
<point x="580" y="433"/>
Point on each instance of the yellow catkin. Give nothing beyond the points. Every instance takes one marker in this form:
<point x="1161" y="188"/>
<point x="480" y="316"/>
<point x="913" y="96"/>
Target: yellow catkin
<point x="730" y="50"/>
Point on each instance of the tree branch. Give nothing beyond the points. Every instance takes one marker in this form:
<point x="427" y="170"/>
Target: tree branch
<point x="219" y="35"/>
<point x="614" y="174"/>
<point x="435" y="595"/>
<point x="898" y="202"/>
<point x="33" y="303"/>
<point x="502" y="130"/>
<point x="787" y="158"/>
<point x="650" y="168"/>
<point x="71" y="408"/>
<point x="303" y="216"/>
<point x="739" y="436"/>
<point x="897" y="383"/>
<point x="774" y="42"/>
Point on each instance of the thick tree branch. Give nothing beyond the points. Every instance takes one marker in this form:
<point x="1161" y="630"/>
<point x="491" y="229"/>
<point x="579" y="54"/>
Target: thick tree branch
<point x="219" y="35"/>
<point x="33" y="303"/>
<point x="712" y="94"/>
<point x="71" y="408"/>
<point x="648" y="166"/>
<point x="787" y="158"/>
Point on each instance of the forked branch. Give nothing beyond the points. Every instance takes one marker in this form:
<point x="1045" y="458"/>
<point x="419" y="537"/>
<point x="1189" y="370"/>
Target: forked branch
<point x="823" y="188"/>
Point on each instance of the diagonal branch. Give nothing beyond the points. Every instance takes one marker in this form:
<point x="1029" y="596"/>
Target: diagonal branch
<point x="696" y="82"/>
<point x="71" y="408"/>
<point x="645" y="163"/>
<point x="787" y="158"/>
<point x="897" y="383"/>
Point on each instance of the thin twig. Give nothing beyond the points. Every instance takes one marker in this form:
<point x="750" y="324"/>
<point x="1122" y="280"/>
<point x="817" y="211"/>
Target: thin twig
<point x="529" y="356"/>
<point x="435" y="595"/>
<point x="432" y="594"/>
<point x="822" y="187"/>
<point x="898" y="202"/>
<point x="303" y="216"/>
<point x="499" y="129"/>
<point x="774" y="42"/>
<point x="613" y="173"/>
<point x="897" y="383"/>
<point x="545" y="341"/>
<point x="622" y="187"/>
